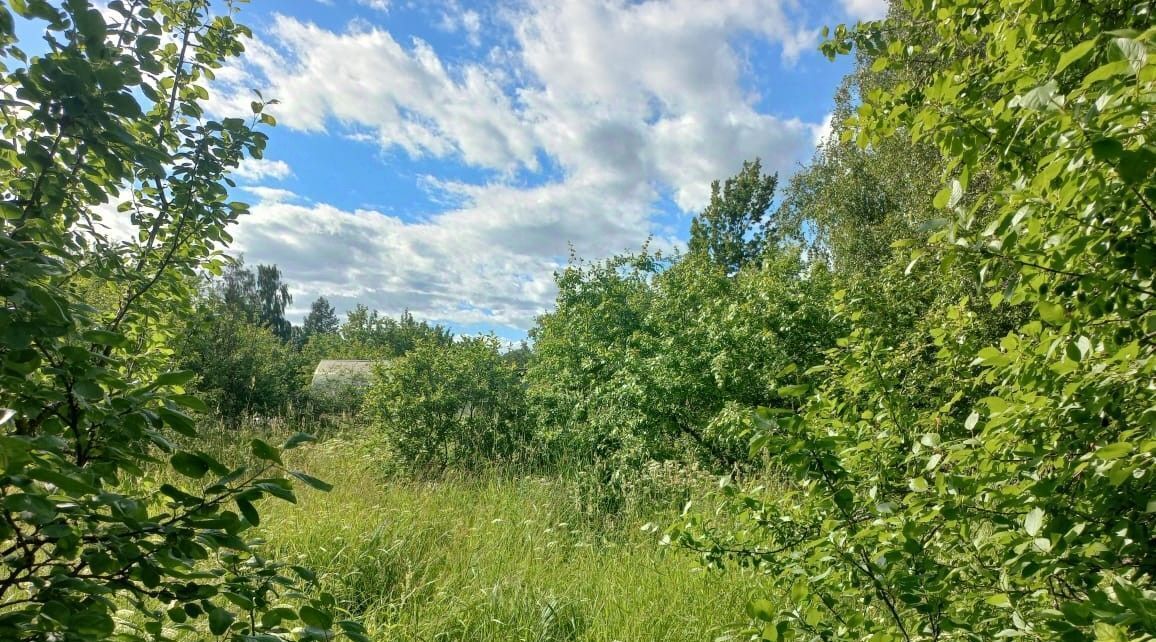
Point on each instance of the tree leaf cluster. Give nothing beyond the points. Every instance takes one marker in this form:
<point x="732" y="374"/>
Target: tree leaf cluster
<point x="975" y="461"/>
<point x="108" y="122"/>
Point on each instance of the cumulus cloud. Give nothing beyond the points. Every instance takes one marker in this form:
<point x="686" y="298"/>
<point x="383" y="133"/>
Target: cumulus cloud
<point x="626" y="100"/>
<point x="466" y="266"/>
<point x="379" y="5"/>
<point x="866" y="9"/>
<point x="405" y="95"/>
<point x="255" y="169"/>
<point x="271" y="194"/>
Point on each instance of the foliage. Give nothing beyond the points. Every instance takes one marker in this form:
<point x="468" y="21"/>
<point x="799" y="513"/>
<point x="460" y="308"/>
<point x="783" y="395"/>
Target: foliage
<point x="575" y="380"/>
<point x="111" y="113"/>
<point x="373" y="331"/>
<point x="273" y="297"/>
<point x="731" y="230"/>
<point x="459" y="404"/>
<point x="259" y="298"/>
<point x="242" y="369"/>
<point x="716" y="342"/>
<point x="1014" y="502"/>
<point x="648" y="358"/>
<point x="322" y="319"/>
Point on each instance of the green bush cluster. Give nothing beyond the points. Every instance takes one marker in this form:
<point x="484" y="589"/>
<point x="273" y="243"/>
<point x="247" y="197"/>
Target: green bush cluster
<point x="974" y="458"/>
<point x="450" y="405"/>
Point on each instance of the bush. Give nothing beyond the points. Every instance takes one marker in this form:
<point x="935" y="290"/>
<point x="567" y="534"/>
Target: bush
<point x="443" y="405"/>
<point x="93" y="548"/>
<point x="242" y="369"/>
<point x="944" y="483"/>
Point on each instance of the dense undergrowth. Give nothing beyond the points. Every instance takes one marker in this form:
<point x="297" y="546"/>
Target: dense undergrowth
<point x="498" y="554"/>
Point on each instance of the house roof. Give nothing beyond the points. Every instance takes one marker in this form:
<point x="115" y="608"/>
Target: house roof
<point x="337" y="372"/>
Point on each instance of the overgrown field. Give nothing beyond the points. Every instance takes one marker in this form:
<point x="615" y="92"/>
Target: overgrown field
<point x="494" y="556"/>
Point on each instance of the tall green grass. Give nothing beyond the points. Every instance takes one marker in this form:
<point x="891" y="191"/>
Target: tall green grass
<point x="493" y="556"/>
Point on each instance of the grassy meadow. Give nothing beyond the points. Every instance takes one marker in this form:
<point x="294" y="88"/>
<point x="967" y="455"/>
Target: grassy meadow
<point x="497" y="555"/>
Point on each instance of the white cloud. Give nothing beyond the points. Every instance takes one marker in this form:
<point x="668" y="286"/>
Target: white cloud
<point x="866" y="9"/>
<point x="630" y="100"/>
<point x="271" y="194"/>
<point x="491" y="261"/>
<point x="457" y="19"/>
<point x="405" y="95"/>
<point x="653" y="91"/>
<point x="255" y="169"/>
<point x="823" y="130"/>
<point x="379" y="5"/>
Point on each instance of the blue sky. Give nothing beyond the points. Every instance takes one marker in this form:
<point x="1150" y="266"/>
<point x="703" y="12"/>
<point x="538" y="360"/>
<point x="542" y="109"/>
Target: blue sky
<point x="444" y="156"/>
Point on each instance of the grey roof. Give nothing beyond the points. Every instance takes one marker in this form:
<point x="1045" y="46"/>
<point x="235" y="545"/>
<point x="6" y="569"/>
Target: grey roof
<point x="348" y="372"/>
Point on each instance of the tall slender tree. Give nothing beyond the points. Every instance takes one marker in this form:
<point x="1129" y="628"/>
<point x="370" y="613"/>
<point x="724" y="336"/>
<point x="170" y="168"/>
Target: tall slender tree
<point x="322" y="319"/>
<point x="272" y="299"/>
<point x="733" y="229"/>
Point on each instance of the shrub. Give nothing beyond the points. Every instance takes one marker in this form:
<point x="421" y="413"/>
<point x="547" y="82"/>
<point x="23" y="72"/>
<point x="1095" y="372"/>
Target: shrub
<point x="441" y="405"/>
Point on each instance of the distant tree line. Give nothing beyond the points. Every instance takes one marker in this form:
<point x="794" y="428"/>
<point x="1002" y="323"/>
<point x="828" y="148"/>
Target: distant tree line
<point x="250" y="359"/>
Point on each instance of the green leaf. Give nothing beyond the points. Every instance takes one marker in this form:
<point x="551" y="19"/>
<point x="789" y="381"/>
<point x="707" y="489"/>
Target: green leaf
<point x="796" y="390"/>
<point x="248" y="511"/>
<point x="799" y="592"/>
<point x="999" y="599"/>
<point x="1075" y="54"/>
<point x="189" y="401"/>
<point x="1134" y="166"/>
<point x="761" y="609"/>
<point x="189" y="464"/>
<point x="72" y="483"/>
<point x="311" y="481"/>
<point x="1106" y="149"/>
<point x="1044" y="97"/>
<point x="1052" y="313"/>
<point x="1114" y="451"/>
<point x="315" y="617"/>
<point x="1033" y="521"/>
<point x="278" y="488"/>
<point x="220" y="620"/>
<point x="179" y="422"/>
<point x="262" y="450"/>
<point x="942" y="197"/>
<point x="105" y="338"/>
<point x="174" y="378"/>
<point x="1132" y="51"/>
<point x="92" y="625"/>
<point x="297" y="439"/>
<point x="86" y="389"/>
<point x="919" y="485"/>
<point x="1108" y="71"/>
<point x="1106" y="632"/>
<point x="992" y="356"/>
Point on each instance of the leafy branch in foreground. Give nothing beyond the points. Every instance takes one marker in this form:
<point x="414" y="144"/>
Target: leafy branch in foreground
<point x="1012" y="498"/>
<point x="107" y="123"/>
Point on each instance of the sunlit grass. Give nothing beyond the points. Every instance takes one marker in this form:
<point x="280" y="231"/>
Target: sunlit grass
<point x="492" y="557"/>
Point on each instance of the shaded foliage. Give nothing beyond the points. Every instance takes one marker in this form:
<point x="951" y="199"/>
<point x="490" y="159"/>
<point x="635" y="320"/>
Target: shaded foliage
<point x="322" y="319"/>
<point x="111" y="112"/>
